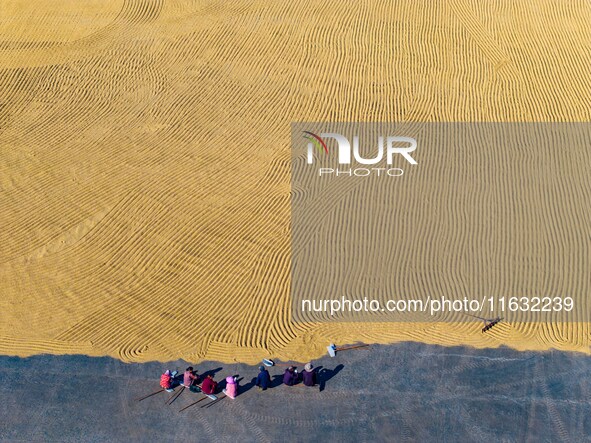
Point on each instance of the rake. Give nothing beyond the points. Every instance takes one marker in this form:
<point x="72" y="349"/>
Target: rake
<point x="332" y="349"/>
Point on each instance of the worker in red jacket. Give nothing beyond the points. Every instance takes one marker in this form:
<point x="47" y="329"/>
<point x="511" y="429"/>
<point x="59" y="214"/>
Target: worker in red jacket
<point x="209" y="385"/>
<point x="167" y="380"/>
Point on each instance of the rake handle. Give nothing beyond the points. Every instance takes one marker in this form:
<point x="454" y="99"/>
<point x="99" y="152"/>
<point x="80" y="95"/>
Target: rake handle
<point x="149" y="395"/>
<point x="186" y="407"/>
<point x="351" y="347"/>
<point x="175" y="396"/>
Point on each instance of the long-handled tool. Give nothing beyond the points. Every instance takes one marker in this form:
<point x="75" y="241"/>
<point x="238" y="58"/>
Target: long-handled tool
<point x="211" y="403"/>
<point x="491" y="324"/>
<point x="192" y="404"/>
<point x="332" y="349"/>
<point x="488" y="322"/>
<point x="175" y="396"/>
<point x="149" y="395"/>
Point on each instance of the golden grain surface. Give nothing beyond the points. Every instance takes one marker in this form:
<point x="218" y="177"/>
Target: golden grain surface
<point x="145" y="157"/>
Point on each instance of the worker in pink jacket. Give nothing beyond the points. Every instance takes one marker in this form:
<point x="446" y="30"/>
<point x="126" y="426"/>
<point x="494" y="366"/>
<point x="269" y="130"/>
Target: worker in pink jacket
<point x="231" y="387"/>
<point x="190" y="377"/>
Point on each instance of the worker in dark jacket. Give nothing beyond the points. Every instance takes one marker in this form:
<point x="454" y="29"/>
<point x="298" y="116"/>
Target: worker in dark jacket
<point x="263" y="379"/>
<point x="290" y="377"/>
<point x="309" y="375"/>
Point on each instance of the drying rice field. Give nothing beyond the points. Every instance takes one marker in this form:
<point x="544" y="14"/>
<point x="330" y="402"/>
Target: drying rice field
<point x="145" y="160"/>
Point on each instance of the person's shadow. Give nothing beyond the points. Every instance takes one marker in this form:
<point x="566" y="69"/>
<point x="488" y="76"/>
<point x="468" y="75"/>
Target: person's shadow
<point x="325" y="374"/>
<point x="211" y="371"/>
<point x="276" y="380"/>
<point x="247" y="386"/>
